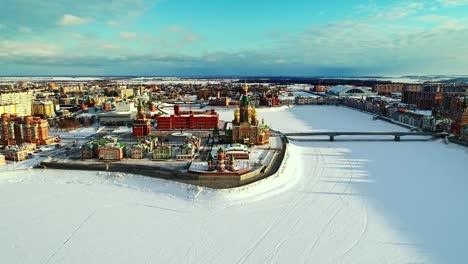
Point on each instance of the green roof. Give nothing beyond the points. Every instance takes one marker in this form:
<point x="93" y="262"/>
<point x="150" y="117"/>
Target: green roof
<point x="245" y="100"/>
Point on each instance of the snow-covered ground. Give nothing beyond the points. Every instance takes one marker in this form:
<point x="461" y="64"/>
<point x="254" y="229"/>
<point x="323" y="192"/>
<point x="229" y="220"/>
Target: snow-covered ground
<point x="81" y="132"/>
<point x="332" y="202"/>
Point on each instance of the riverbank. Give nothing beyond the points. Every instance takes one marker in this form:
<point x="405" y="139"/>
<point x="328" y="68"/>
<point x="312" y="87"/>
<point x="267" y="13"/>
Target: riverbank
<point x="173" y="171"/>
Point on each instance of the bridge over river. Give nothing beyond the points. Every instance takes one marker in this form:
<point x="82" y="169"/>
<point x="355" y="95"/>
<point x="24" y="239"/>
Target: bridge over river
<point x="332" y="134"/>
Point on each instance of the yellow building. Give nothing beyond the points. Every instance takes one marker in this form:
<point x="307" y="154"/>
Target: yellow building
<point x="125" y="93"/>
<point x="44" y="109"/>
<point x="8" y="109"/>
<point x="21" y="100"/>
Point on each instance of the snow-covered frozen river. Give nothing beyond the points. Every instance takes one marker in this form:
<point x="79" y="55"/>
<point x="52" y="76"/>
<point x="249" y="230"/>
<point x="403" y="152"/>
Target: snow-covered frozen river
<point x="333" y="202"/>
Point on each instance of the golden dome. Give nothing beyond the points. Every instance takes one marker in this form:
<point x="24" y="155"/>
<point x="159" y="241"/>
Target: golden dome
<point x="246" y="87"/>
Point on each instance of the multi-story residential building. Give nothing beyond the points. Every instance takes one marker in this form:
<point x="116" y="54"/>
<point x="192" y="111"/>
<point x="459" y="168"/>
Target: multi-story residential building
<point x="71" y="89"/>
<point x="422" y="100"/>
<point x="43" y="109"/>
<point x="125" y="93"/>
<point x="388" y="88"/>
<point x="21" y="100"/>
<point x="412" y="87"/>
<point x="8" y="109"/>
<point x="16" y="130"/>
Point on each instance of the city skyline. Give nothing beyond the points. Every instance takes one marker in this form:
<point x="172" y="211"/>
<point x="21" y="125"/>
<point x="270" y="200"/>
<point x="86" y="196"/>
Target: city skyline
<point x="171" y="37"/>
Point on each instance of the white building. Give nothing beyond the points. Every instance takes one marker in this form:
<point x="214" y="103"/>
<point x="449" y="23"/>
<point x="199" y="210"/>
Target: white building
<point x="124" y="107"/>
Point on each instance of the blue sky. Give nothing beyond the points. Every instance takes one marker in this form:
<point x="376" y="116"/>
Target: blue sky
<point x="214" y="37"/>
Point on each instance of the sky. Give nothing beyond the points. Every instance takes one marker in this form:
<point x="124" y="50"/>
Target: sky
<point x="242" y="37"/>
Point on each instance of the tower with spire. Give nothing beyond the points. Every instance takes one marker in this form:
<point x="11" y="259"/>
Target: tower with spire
<point x="141" y="126"/>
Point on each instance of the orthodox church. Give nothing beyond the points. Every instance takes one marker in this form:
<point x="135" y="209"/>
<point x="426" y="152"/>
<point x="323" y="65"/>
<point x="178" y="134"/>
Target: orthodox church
<point x="245" y="126"/>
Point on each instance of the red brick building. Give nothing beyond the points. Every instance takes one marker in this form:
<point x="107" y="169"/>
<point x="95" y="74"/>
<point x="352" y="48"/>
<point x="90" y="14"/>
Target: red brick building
<point x="17" y="130"/>
<point x="388" y="88"/>
<point x="269" y="100"/>
<point x="142" y="126"/>
<point x="422" y="100"/>
<point x="459" y="114"/>
<point x="188" y="120"/>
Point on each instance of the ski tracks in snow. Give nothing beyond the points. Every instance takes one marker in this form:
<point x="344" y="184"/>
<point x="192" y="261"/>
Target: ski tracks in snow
<point x="341" y="197"/>
<point x="71" y="236"/>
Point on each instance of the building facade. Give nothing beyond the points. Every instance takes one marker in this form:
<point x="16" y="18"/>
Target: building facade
<point x="388" y="88"/>
<point x="17" y="130"/>
<point x="19" y="152"/>
<point x="142" y="126"/>
<point x="222" y="162"/>
<point x="422" y="100"/>
<point x="245" y="126"/>
<point x="162" y="152"/>
<point x="43" y="109"/>
<point x="112" y="151"/>
<point x="188" y="120"/>
<point x="22" y="102"/>
<point x="137" y="151"/>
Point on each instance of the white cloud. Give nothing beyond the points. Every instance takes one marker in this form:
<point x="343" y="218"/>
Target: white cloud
<point x="11" y="48"/>
<point x="127" y="35"/>
<point x="71" y="20"/>
<point x="453" y="2"/>
<point x="399" y="11"/>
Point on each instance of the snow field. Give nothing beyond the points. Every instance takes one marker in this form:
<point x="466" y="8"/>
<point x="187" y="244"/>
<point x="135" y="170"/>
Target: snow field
<point x="332" y="202"/>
